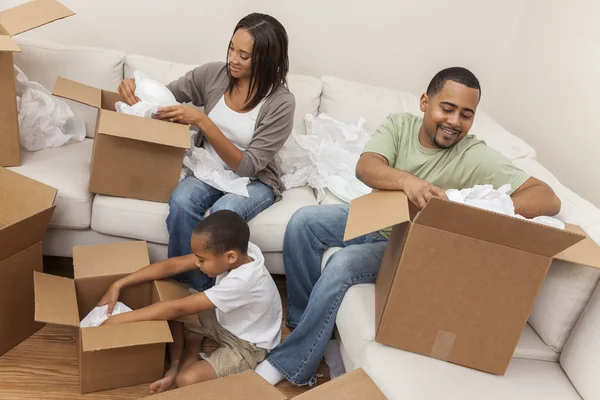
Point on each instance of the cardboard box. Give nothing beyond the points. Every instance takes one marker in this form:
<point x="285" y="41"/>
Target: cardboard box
<point x="26" y="207"/>
<point x="12" y="22"/>
<point x="133" y="157"/>
<point x="458" y="283"/>
<point x="248" y="385"/>
<point x="110" y="356"/>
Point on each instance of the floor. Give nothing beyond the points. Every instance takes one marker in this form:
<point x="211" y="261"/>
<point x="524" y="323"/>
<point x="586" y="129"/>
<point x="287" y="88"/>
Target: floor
<point x="45" y="365"/>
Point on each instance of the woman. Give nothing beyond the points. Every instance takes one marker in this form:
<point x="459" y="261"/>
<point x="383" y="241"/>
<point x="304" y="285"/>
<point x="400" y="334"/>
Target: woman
<point x="248" y="116"/>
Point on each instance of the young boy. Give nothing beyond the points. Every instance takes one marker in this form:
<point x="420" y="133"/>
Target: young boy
<point x="242" y="312"/>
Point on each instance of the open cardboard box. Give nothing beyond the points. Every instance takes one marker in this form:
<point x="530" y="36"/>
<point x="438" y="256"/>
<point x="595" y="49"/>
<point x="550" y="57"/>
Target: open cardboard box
<point x="12" y="22"/>
<point x="110" y="356"/>
<point x="458" y="283"/>
<point x="26" y="207"/>
<point x="248" y="385"/>
<point x="133" y="157"/>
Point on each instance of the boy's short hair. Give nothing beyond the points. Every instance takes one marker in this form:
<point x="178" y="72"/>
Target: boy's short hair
<point x="224" y="230"/>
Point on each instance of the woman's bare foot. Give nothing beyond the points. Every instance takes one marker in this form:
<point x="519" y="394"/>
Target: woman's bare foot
<point x="167" y="381"/>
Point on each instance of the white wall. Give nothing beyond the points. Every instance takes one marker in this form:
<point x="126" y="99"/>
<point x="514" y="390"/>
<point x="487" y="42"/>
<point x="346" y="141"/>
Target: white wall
<point x="550" y="90"/>
<point x="396" y="43"/>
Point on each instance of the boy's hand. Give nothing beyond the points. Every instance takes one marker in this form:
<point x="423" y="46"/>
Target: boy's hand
<point x="115" y="319"/>
<point x="110" y="297"/>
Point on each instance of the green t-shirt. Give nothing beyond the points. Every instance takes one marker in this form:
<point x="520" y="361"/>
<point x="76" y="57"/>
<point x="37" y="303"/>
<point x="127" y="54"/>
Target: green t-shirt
<point x="468" y="163"/>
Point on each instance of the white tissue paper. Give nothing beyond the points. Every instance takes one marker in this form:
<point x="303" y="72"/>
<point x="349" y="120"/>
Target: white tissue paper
<point x="44" y="120"/>
<point x="496" y="200"/>
<point x="325" y="157"/>
<point x="100" y="314"/>
<point x="152" y="95"/>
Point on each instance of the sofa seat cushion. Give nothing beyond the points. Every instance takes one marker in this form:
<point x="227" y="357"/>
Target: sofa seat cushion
<point x="403" y="375"/>
<point x="67" y="169"/>
<point x="306" y="89"/>
<point x="146" y="220"/>
<point x="356" y="326"/>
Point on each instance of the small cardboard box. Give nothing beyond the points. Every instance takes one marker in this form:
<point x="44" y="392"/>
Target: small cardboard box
<point x="248" y="385"/>
<point x="458" y="283"/>
<point x="26" y="207"/>
<point x="12" y="22"/>
<point x="133" y="157"/>
<point x="110" y="356"/>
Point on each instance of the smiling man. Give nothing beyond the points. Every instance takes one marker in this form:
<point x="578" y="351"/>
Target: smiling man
<point x="422" y="157"/>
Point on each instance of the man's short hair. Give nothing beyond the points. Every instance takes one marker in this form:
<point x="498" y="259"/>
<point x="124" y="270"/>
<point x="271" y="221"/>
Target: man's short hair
<point x="224" y="231"/>
<point x="456" y="74"/>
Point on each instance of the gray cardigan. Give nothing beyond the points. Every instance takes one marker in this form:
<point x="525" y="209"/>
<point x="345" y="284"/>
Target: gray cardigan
<point x="204" y="86"/>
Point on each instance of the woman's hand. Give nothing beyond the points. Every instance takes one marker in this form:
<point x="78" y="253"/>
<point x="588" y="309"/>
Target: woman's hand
<point x="127" y="91"/>
<point x="181" y="114"/>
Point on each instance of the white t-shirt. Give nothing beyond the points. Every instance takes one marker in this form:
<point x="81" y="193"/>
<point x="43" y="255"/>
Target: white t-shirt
<point x="237" y="127"/>
<point x="248" y="303"/>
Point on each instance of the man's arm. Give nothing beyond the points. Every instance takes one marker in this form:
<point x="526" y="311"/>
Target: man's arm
<point x="535" y="198"/>
<point x="166" y="310"/>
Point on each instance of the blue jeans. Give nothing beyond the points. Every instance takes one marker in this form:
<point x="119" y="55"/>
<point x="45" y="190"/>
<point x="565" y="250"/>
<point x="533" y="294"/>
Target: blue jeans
<point x="187" y="206"/>
<point x="314" y="297"/>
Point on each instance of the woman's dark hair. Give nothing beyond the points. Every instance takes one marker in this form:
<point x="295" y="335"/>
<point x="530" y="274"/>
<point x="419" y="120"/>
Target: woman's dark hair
<point x="270" y="63"/>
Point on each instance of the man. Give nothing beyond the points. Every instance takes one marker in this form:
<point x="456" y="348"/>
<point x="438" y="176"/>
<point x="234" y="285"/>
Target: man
<point x="422" y="157"/>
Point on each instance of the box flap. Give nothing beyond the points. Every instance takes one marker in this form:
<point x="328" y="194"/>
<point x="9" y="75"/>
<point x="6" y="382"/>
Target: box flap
<point x="28" y="193"/>
<point x="79" y="92"/>
<point x="170" y="290"/>
<point x="125" y="335"/>
<point x="355" y="385"/>
<point x="6" y="42"/>
<point x="586" y="252"/>
<point x="32" y="15"/>
<point x="496" y="228"/>
<point x="109" y="259"/>
<point x="23" y="234"/>
<point x="55" y="300"/>
<point x="375" y="211"/>
<point x="145" y="129"/>
<point x="247" y="385"/>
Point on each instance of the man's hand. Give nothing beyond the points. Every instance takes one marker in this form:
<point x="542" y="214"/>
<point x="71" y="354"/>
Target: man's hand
<point x="182" y="114"/>
<point x="419" y="191"/>
<point x="127" y="91"/>
<point x="110" y="297"/>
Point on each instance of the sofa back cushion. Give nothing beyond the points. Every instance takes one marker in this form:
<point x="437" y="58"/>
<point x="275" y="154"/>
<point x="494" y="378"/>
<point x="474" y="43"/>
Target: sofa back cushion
<point x="43" y="62"/>
<point x="306" y="89"/>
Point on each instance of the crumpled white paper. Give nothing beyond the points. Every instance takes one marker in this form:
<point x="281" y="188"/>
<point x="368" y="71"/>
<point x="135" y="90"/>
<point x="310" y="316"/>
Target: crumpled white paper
<point x="100" y="314"/>
<point x="44" y="120"/>
<point x="152" y="95"/>
<point x="325" y="157"/>
<point x="496" y="200"/>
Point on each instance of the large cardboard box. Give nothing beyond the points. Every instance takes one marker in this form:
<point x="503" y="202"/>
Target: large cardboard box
<point x="26" y="207"/>
<point x="248" y="385"/>
<point x="12" y="22"/>
<point x="110" y="356"/>
<point x="133" y="157"/>
<point x="458" y="283"/>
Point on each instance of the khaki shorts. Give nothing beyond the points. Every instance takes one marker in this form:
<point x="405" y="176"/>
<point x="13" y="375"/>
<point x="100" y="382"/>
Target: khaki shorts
<point x="235" y="355"/>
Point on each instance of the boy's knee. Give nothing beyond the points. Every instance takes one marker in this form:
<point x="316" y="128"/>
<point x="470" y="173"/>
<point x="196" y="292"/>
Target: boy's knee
<point x="185" y="378"/>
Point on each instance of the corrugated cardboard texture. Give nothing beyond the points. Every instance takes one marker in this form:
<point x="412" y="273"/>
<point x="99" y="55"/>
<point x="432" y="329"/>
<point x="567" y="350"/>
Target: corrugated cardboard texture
<point x="106" y="337"/>
<point x="144" y="129"/>
<point x="109" y="259"/>
<point x="55" y="300"/>
<point x="355" y="385"/>
<point x="32" y="15"/>
<point x="76" y="91"/>
<point x="170" y="290"/>
<point x="586" y="252"/>
<point x="375" y="211"/>
<point x="10" y="150"/>
<point x="496" y="228"/>
<point x="16" y="297"/>
<point x="134" y="169"/>
<point x="109" y="369"/>
<point x="479" y="291"/>
<point x="245" y="386"/>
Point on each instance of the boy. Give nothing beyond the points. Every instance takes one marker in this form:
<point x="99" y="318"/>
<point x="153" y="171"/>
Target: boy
<point x="242" y="312"/>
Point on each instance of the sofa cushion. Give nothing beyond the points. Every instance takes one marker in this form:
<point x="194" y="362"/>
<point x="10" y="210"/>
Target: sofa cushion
<point x="146" y="220"/>
<point x="403" y="375"/>
<point x="347" y="101"/>
<point x="67" y="169"/>
<point x="306" y="89"/>
<point x="43" y="62"/>
<point x="568" y="287"/>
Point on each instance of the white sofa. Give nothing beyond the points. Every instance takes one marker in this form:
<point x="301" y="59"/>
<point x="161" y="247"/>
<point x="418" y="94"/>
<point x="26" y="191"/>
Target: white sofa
<point x="552" y="361"/>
